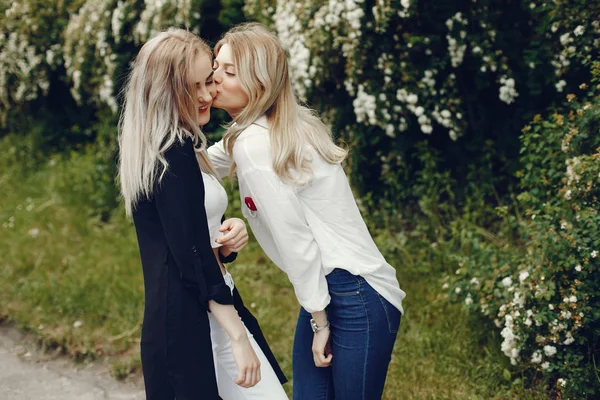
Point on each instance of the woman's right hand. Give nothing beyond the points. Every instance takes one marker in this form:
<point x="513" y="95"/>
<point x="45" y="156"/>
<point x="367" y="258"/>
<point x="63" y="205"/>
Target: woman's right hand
<point x="246" y="361"/>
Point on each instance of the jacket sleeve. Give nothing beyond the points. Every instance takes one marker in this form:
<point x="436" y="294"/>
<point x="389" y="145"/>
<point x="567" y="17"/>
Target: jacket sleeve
<point x="220" y="159"/>
<point x="179" y="199"/>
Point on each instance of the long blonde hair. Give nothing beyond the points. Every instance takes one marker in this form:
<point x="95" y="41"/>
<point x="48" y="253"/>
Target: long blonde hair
<point x="262" y="69"/>
<point x="160" y="107"/>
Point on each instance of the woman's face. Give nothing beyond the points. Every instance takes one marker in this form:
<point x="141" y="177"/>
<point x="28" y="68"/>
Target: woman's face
<point x="202" y="75"/>
<point x="230" y="96"/>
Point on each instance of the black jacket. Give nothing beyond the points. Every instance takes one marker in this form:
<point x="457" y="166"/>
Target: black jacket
<point x="181" y="275"/>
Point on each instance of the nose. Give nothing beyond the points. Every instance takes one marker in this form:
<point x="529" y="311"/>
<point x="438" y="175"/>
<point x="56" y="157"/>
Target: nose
<point x="218" y="76"/>
<point x="204" y="95"/>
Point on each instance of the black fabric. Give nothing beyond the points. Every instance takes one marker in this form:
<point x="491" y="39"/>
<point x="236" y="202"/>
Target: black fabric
<point x="181" y="275"/>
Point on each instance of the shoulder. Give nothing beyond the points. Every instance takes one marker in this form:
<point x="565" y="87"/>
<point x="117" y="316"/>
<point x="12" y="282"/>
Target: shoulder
<point x="253" y="148"/>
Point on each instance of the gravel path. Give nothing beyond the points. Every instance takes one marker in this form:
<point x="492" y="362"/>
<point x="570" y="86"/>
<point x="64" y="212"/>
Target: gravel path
<point x="26" y="373"/>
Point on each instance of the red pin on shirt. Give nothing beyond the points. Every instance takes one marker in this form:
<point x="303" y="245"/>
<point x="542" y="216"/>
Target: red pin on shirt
<point x="250" y="203"/>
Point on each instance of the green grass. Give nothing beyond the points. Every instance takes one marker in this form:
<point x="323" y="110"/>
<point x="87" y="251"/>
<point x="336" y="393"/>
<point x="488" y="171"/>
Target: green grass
<point x="76" y="282"/>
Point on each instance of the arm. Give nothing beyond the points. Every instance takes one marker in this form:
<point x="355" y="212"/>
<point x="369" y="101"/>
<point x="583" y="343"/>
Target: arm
<point x="280" y="209"/>
<point x="220" y="159"/>
<point x="179" y="202"/>
<point x="245" y="358"/>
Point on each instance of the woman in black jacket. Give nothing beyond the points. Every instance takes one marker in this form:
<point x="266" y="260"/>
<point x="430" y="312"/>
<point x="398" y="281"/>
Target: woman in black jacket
<point x="162" y="176"/>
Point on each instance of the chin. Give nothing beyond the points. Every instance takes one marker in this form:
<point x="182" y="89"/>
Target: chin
<point x="204" y="118"/>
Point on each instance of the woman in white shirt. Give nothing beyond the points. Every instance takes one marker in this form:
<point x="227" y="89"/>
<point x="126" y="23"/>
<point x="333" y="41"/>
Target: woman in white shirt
<point x="300" y="207"/>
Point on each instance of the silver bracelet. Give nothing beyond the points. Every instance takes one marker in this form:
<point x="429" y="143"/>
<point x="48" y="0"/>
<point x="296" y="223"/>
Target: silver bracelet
<point x="316" y="328"/>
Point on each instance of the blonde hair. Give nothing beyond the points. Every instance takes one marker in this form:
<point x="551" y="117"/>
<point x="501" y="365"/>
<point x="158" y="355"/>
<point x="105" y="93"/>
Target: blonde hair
<point x="262" y="70"/>
<point x="160" y="108"/>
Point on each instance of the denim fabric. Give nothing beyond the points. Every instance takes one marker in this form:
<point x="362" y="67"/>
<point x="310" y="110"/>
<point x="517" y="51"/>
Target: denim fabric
<point x="363" y="331"/>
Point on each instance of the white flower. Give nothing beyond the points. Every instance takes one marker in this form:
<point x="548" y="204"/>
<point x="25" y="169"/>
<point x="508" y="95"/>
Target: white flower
<point x="545" y="365"/>
<point x="549" y="350"/>
<point x="468" y="300"/>
<point x="568" y="194"/>
<point x="573" y="299"/>
<point x="533" y="216"/>
<point x="523" y="275"/>
<point x="475" y="281"/>
<point x="578" y="268"/>
<point x="579" y="30"/>
<point x="426" y="129"/>
<point x="562" y="382"/>
<point x="565" y="39"/>
<point x="508" y="93"/>
<point x="457" y="290"/>
<point x="570" y="339"/>
<point x="77" y="324"/>
<point x="560" y="85"/>
<point x="445" y="285"/>
<point x="419" y="111"/>
<point x="507" y="281"/>
<point x="566" y="314"/>
<point x="563" y="225"/>
<point x="33" y="232"/>
<point x="412" y="98"/>
<point x="453" y="135"/>
<point x="405" y="3"/>
<point x="390" y="130"/>
<point x="536" y="357"/>
<point x="594" y="254"/>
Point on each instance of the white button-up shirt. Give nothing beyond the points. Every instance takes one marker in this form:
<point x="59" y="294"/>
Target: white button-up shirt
<point x="306" y="230"/>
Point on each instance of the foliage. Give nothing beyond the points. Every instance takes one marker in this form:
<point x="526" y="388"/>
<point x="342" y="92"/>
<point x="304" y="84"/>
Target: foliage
<point x="462" y="76"/>
<point x="76" y="284"/>
<point x="62" y="67"/>
<point x="545" y="292"/>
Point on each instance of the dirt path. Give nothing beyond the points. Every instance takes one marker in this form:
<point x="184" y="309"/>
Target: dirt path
<point x="26" y="373"/>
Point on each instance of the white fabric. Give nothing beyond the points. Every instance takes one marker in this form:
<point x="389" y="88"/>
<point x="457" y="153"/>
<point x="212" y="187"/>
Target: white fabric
<point x="268" y="388"/>
<point x="215" y="202"/>
<point x="306" y="230"/>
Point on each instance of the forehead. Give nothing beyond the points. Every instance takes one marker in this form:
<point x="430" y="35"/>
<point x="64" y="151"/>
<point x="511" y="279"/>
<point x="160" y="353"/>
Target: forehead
<point x="224" y="53"/>
<point x="202" y="67"/>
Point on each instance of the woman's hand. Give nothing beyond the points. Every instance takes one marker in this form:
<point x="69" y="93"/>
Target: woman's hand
<point x="246" y="361"/>
<point x="321" y="348"/>
<point x="235" y="236"/>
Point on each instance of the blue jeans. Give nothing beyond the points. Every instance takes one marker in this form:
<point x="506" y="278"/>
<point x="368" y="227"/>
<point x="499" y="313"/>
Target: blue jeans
<point x="363" y="332"/>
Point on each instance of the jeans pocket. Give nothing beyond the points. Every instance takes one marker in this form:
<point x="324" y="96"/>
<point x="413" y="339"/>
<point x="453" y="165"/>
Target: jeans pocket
<point x="341" y="283"/>
<point x="391" y="313"/>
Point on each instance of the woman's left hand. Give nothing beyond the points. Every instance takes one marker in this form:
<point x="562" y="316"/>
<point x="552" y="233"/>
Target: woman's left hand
<point x="235" y="236"/>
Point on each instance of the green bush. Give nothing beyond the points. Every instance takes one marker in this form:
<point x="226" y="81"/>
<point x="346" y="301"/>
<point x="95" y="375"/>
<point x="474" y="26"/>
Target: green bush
<point x="544" y="290"/>
<point x="463" y="77"/>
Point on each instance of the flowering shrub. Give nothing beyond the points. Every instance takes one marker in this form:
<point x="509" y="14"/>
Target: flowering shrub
<point x="545" y="293"/>
<point x="390" y="74"/>
<point x="83" y="48"/>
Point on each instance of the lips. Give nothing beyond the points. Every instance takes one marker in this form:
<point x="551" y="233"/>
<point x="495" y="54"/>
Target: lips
<point x="203" y="109"/>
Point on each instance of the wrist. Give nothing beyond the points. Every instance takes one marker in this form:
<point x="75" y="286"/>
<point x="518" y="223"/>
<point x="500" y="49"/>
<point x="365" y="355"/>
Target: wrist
<point x="320" y="317"/>
<point x="316" y="328"/>
<point x="225" y="251"/>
